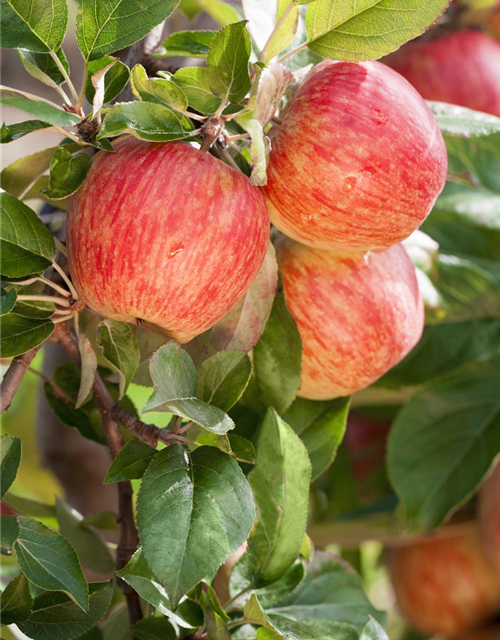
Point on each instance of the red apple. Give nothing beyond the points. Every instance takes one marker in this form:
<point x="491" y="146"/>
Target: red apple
<point x="366" y="442"/>
<point x="488" y="633"/>
<point x="357" y="315"/>
<point x="489" y="516"/>
<point x="461" y="68"/>
<point x="444" y="584"/>
<point x="358" y="161"/>
<point x="166" y="234"/>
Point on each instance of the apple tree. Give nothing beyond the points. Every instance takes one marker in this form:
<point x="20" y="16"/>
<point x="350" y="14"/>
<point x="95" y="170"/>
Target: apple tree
<point x="273" y="264"/>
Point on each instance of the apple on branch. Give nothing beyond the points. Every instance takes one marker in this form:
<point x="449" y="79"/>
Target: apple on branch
<point x="358" y="161"/>
<point x="358" y="315"/>
<point x="166" y="235"/>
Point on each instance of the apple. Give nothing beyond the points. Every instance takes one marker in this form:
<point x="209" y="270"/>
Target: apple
<point x="165" y="235"/>
<point x="443" y="583"/>
<point x="358" y="161"/>
<point x="489" y="516"/>
<point x="366" y="443"/>
<point x="488" y="633"/>
<point x="461" y="68"/>
<point x="358" y="315"/>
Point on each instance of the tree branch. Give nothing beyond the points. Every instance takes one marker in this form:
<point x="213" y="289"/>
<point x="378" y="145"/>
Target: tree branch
<point x="14" y="377"/>
<point x="129" y="536"/>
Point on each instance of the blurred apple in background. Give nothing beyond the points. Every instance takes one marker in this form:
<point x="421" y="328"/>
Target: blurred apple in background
<point x="461" y="68"/>
<point x="443" y="583"/>
<point x="489" y="516"/>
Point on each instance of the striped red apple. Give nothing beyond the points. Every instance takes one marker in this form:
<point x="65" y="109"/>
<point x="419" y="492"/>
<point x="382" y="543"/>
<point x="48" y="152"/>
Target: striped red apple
<point x="166" y="235"/>
<point x="358" y="161"/>
<point x="460" y="68"/>
<point x="358" y="315"/>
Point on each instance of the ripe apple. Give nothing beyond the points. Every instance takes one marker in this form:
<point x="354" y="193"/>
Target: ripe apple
<point x="366" y="443"/>
<point x="358" y="315"/>
<point x="461" y="68"/>
<point x="358" y="161"/>
<point x="489" y="517"/>
<point x="488" y="633"/>
<point x="166" y="235"/>
<point x="443" y="583"/>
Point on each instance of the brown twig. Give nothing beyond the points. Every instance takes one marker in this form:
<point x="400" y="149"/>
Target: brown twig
<point x="14" y="377"/>
<point x="129" y="536"/>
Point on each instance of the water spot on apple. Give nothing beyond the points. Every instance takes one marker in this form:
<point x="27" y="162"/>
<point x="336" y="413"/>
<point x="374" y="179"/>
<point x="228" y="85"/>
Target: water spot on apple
<point x="379" y="117"/>
<point x="307" y="218"/>
<point x="369" y="171"/>
<point x="350" y="183"/>
<point x="175" y="249"/>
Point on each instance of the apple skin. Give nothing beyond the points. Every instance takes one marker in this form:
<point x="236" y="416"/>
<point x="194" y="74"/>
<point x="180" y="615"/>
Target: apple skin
<point x="489" y="517"/>
<point x="358" y="161"/>
<point x="366" y="442"/>
<point x="462" y="68"/>
<point x="358" y="315"/>
<point x="443" y="583"/>
<point x="488" y="633"/>
<point x="165" y="234"/>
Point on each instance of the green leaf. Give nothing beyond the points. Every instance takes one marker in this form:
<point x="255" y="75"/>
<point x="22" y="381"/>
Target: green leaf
<point x="175" y="380"/>
<point x="88" y="368"/>
<point x="222" y="12"/>
<point x="216" y="626"/>
<point x="443" y="348"/>
<point x="7" y="300"/>
<point x="259" y="149"/>
<point x="157" y="90"/>
<point x="323" y="434"/>
<point x="477" y="206"/>
<point x="9" y="530"/>
<point x="339" y="30"/>
<point x="29" y="308"/>
<point x="331" y="592"/>
<point x="56" y="617"/>
<point x="21" y="174"/>
<point x="280" y="484"/>
<point x="90" y="546"/>
<point x="49" y="561"/>
<point x="67" y="173"/>
<point x="115" y="24"/>
<point x="242" y="448"/>
<point x="33" y="26"/>
<point x="454" y="431"/>
<point x="478" y="159"/>
<point x="15" y="601"/>
<point x="262" y="17"/>
<point x="193" y="511"/>
<point x="115" y="78"/>
<point x="119" y="348"/>
<point x="193" y="81"/>
<point x="10" y="459"/>
<point x="277" y="358"/>
<point x="87" y="418"/>
<point x="43" y="67"/>
<point x="144" y="120"/>
<point x="373" y="631"/>
<point x="154" y="629"/>
<point x="11" y="132"/>
<point x="192" y="44"/>
<point x="27" y="247"/>
<point x="20" y="334"/>
<point x="464" y="123"/>
<point x="131" y="462"/>
<point x="139" y="576"/>
<point x="223" y="378"/>
<point x="37" y="107"/>
<point x="227" y="62"/>
<point x="29" y="507"/>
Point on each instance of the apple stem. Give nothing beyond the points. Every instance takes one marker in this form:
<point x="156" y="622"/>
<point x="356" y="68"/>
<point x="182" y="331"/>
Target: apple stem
<point x="46" y="281"/>
<point x="65" y="75"/>
<point x="63" y="275"/>
<point x="275" y="31"/>
<point x="240" y="136"/>
<point x="54" y="299"/>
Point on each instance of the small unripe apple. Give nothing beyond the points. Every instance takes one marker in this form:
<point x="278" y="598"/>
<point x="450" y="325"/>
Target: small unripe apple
<point x="444" y="584"/>
<point x="165" y="234"/>
<point x="358" y="315"/>
<point x="489" y="517"/>
<point x="358" y="161"/>
<point x="460" y="68"/>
